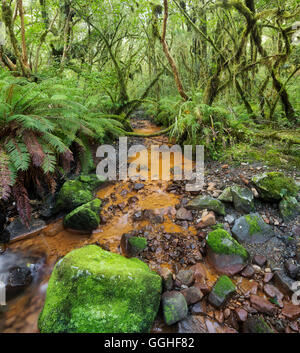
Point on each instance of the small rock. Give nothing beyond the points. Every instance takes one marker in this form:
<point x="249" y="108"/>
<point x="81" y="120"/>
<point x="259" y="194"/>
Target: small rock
<point x="262" y="305"/>
<point x="268" y="277"/>
<point x="273" y="292"/>
<point x="243" y="199"/>
<point x="241" y="314"/>
<point x="192" y="295"/>
<point x="292" y="269"/>
<point x="284" y="282"/>
<point x="206" y="202"/>
<point x="207" y="220"/>
<point x="256" y="325"/>
<point x="18" y="279"/>
<point x="174" y="307"/>
<point x="199" y="308"/>
<point x="259" y="260"/>
<point x="248" y="272"/>
<point x="167" y="277"/>
<point x="226" y="195"/>
<point x="230" y="219"/>
<point x="255" y="193"/>
<point x="131" y="245"/>
<point x="138" y="186"/>
<point x="185" y="277"/>
<point x="257" y="269"/>
<point x="222" y="292"/>
<point x="184" y="215"/>
<point x="291" y="311"/>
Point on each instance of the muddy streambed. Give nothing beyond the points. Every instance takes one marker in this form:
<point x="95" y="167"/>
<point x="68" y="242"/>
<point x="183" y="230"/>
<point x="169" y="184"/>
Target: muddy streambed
<point x="123" y="203"/>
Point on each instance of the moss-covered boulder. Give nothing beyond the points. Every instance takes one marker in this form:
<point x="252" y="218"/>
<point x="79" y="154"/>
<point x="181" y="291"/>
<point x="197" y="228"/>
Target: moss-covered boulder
<point x="85" y="217"/>
<point x="208" y="203"/>
<point x="289" y="208"/>
<point x="274" y="186"/>
<point x="95" y="291"/>
<point x="77" y="192"/>
<point x="221" y="292"/>
<point x="225" y="253"/>
<point x="174" y="307"/>
<point x="243" y="199"/>
<point x="251" y="229"/>
<point x="226" y="195"/>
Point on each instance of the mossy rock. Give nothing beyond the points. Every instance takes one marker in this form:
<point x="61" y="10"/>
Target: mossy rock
<point x="274" y="186"/>
<point x="75" y="193"/>
<point x="174" y="307"/>
<point x="243" y="199"/>
<point x="95" y="291"/>
<point x="226" y="195"/>
<point x="221" y="292"/>
<point x="221" y="242"/>
<point x="225" y="253"/>
<point x="85" y="217"/>
<point x="251" y="229"/>
<point x="138" y="244"/>
<point x="289" y="208"/>
<point x="206" y="202"/>
<point x="256" y="325"/>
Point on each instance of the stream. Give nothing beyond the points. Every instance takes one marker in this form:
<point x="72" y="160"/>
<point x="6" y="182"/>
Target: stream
<point x="121" y="204"/>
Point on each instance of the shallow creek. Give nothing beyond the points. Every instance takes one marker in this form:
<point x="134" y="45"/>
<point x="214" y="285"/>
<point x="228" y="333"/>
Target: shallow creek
<point x="53" y="242"/>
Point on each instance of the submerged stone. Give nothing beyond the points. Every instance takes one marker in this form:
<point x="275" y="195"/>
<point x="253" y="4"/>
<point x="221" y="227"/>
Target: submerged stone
<point x="206" y="202"/>
<point x="85" y="217"/>
<point x="252" y="229"/>
<point x="174" y="307"/>
<point x="225" y="253"/>
<point x="95" y="291"/>
<point x="221" y="292"/>
<point x="289" y="208"/>
<point x="274" y="186"/>
<point x="243" y="199"/>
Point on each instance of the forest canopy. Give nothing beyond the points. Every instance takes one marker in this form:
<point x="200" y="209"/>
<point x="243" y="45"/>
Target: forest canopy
<point x="220" y="73"/>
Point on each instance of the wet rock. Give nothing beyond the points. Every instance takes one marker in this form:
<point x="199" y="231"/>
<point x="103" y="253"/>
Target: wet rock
<point x="192" y="295"/>
<point x="225" y="253"/>
<point x="184" y="215"/>
<point x="243" y="199"/>
<point x="174" y="307"/>
<point x="226" y="195"/>
<point x="167" y="277"/>
<point x="84" y="218"/>
<point x="222" y="292"/>
<point x="17" y="228"/>
<point x="251" y="229"/>
<point x="284" y="282"/>
<point x="256" y="325"/>
<point x="131" y="245"/>
<point x="138" y="216"/>
<point x="241" y="314"/>
<point x="19" y="278"/>
<point x="273" y="292"/>
<point x="262" y="305"/>
<point x="75" y="193"/>
<point x="91" y="284"/>
<point x="199" y="308"/>
<point x="138" y="186"/>
<point x="248" y="272"/>
<point x="274" y="186"/>
<point x="192" y="324"/>
<point x="185" y="277"/>
<point x="206" y="202"/>
<point x="208" y="219"/>
<point x="259" y="260"/>
<point x="292" y="269"/>
<point x="230" y="219"/>
<point x="268" y="277"/>
<point x="48" y="208"/>
<point x="289" y="208"/>
<point x="291" y="311"/>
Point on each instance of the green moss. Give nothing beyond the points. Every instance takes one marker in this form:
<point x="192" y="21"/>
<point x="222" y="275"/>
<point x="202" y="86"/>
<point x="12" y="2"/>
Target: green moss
<point x="254" y="227"/>
<point x="138" y="243"/>
<point x="289" y="208"/>
<point x="274" y="186"/>
<point x="85" y="217"/>
<point x="95" y="291"/>
<point x="224" y="286"/>
<point x="262" y="327"/>
<point x="221" y="242"/>
<point x="207" y="202"/>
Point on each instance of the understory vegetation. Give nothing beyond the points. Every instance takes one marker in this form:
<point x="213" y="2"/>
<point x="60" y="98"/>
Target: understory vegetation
<point x="220" y="73"/>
